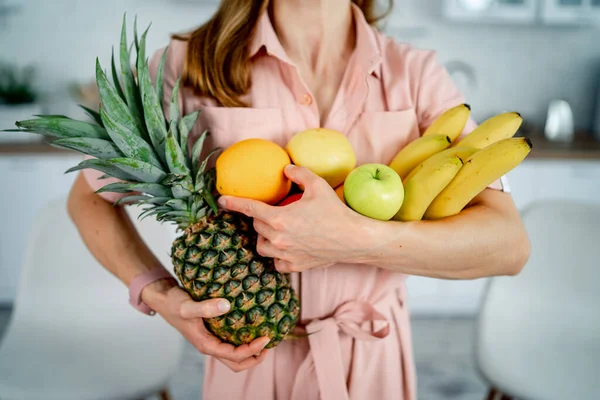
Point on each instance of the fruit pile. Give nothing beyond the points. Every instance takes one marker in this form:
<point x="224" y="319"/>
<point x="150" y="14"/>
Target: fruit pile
<point x="433" y="177"/>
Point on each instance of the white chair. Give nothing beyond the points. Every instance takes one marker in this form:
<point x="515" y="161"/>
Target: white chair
<point x="73" y="334"/>
<point x="538" y="333"/>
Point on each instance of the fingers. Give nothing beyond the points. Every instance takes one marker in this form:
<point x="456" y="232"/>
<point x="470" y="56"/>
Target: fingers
<point x="263" y="229"/>
<point x="285" y="267"/>
<point x="235" y="354"/>
<point x="247" y="363"/>
<point x="249" y="207"/>
<point x="190" y="309"/>
<point x="266" y="249"/>
<point x="302" y="176"/>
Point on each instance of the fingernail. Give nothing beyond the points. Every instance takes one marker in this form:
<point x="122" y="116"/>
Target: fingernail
<point x="221" y="201"/>
<point x="289" y="166"/>
<point x="267" y="341"/>
<point x="223" y="306"/>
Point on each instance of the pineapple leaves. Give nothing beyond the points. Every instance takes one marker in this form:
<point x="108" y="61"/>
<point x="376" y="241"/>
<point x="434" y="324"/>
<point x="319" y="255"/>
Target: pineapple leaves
<point x="130" y="200"/>
<point x="125" y="169"/>
<point x="94" y="115"/>
<point x="178" y="215"/>
<point x="50" y="116"/>
<point x="135" y="35"/>
<point x="115" y="75"/>
<point x="117" y="187"/>
<point x="153" y="211"/>
<point x="152" y="189"/>
<point x="63" y="128"/>
<point x="177" y="204"/>
<point x="160" y="76"/>
<point x="175" y="157"/>
<point x="197" y="151"/>
<point x="155" y="122"/>
<point x="98" y="148"/>
<point x="133" y="100"/>
<point x="185" y="127"/>
<point x="141" y="51"/>
<point x="130" y="144"/>
<point x="174" y="107"/>
<point x="114" y="105"/>
<point x="103" y="166"/>
<point x="153" y="114"/>
<point x="210" y="199"/>
<point x="141" y="171"/>
<point x="182" y="185"/>
<point x="202" y="168"/>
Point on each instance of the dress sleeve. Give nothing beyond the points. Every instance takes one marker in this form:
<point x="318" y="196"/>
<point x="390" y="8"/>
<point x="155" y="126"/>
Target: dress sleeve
<point x="169" y="78"/>
<point x="436" y="94"/>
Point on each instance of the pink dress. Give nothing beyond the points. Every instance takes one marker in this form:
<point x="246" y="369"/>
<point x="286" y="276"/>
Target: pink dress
<point x="390" y="93"/>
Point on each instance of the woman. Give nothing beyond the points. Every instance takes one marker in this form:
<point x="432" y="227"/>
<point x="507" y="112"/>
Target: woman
<point x="270" y="69"/>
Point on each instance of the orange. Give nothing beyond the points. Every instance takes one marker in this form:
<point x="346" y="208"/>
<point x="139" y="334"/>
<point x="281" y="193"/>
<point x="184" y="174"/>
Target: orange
<point x="253" y="169"/>
<point x="340" y="192"/>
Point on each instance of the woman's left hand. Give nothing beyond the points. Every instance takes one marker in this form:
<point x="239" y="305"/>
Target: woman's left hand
<point x="314" y="232"/>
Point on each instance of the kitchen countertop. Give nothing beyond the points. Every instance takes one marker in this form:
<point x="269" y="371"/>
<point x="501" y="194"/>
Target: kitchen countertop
<point x="32" y="147"/>
<point x="581" y="148"/>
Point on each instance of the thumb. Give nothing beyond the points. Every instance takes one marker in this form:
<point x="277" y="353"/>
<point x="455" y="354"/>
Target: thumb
<point x="301" y="175"/>
<point x="204" y="309"/>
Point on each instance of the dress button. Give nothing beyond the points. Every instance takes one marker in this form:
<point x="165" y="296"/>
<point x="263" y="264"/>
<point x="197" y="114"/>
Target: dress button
<point x="306" y="100"/>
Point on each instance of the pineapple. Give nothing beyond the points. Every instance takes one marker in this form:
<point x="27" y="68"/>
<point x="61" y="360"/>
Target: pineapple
<point x="215" y="253"/>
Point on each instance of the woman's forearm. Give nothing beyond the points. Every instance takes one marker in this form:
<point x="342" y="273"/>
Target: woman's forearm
<point x="109" y="233"/>
<point x="485" y="239"/>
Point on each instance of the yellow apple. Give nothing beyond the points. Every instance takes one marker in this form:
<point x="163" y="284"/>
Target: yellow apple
<point x="325" y="152"/>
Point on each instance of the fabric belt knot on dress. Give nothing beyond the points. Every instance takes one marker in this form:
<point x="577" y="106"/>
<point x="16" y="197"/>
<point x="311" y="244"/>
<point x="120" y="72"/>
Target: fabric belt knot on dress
<point x="324" y="364"/>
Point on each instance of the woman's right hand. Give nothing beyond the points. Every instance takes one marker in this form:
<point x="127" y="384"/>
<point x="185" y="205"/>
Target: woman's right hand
<point x="184" y="314"/>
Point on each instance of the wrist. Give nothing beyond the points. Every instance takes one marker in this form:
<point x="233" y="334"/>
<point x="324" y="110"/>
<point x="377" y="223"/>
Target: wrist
<point x="375" y="239"/>
<point x="155" y="293"/>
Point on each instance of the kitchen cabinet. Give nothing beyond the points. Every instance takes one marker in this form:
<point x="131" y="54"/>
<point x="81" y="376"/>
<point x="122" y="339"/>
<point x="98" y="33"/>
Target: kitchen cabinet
<point x="491" y="11"/>
<point x="534" y="180"/>
<point x="570" y="12"/>
<point x="545" y="12"/>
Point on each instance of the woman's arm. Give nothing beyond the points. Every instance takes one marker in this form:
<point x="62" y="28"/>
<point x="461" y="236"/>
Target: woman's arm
<point x="114" y="241"/>
<point x="486" y="239"/>
<point x="109" y="234"/>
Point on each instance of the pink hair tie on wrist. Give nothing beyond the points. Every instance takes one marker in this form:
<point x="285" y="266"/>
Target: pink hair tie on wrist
<point x="140" y="282"/>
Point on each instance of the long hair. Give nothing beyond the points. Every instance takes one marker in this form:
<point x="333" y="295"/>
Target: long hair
<point x="217" y="64"/>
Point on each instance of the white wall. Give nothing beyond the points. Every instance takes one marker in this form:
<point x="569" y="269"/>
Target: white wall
<point x="520" y="68"/>
<point x="64" y="37"/>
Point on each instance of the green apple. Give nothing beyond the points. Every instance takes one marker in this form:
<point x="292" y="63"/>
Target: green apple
<point x="374" y="190"/>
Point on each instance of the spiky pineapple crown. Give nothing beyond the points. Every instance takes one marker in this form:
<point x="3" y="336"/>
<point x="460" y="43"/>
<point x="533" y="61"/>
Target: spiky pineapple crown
<point x="133" y="141"/>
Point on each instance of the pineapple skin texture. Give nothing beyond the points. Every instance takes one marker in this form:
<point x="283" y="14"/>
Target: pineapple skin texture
<point x="217" y="258"/>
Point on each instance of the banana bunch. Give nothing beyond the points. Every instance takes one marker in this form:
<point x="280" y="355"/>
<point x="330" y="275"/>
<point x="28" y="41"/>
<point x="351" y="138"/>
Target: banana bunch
<point x="443" y="170"/>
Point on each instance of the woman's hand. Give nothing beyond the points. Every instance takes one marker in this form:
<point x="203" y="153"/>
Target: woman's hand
<point x="314" y="232"/>
<point x="184" y="314"/>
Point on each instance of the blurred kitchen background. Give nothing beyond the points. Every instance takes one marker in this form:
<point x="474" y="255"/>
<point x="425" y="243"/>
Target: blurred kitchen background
<point x="538" y="57"/>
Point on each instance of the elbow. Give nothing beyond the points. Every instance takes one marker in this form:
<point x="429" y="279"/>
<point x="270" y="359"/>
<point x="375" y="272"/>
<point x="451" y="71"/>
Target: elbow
<point x="518" y="255"/>
<point x="76" y="197"/>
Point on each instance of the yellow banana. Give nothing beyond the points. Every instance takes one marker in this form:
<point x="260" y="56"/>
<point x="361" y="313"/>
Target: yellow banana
<point x="493" y="129"/>
<point x="418" y="151"/>
<point x="477" y="173"/>
<point x="451" y="123"/>
<point x="462" y="152"/>
<point x="425" y="185"/>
